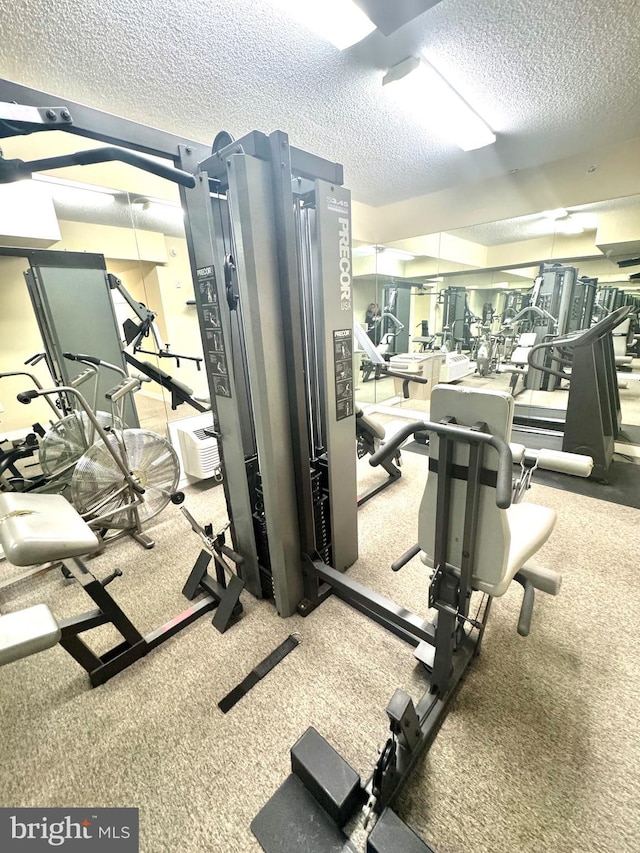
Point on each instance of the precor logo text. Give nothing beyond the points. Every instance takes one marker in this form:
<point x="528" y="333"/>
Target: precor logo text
<point x="345" y="264"/>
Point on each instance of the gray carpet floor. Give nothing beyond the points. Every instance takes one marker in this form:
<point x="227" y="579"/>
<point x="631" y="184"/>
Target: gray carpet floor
<point x="541" y="749"/>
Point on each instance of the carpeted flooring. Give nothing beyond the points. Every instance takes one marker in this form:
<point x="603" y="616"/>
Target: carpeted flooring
<point x="541" y="749"/>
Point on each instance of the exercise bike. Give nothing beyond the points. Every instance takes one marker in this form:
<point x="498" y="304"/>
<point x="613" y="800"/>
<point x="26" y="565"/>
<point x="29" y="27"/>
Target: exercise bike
<point x="126" y="476"/>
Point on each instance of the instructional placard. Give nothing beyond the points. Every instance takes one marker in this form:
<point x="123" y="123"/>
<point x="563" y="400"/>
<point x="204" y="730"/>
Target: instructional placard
<point x="343" y="370"/>
<point x="214" y="346"/>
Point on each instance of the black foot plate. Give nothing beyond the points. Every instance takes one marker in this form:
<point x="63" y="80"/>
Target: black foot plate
<point x="392" y="835"/>
<point x="293" y="822"/>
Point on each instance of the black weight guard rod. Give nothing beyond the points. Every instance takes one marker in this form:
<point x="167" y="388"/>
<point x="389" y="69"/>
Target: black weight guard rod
<point x="15" y="170"/>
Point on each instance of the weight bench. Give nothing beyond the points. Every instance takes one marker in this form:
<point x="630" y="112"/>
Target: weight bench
<point x="38" y="528"/>
<point x="26" y="632"/>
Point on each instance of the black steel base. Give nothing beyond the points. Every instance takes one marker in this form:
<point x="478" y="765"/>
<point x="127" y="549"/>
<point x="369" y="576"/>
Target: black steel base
<point x="392" y="835"/>
<point x="226" y="597"/>
<point x="294" y="822"/>
<point x="133" y="646"/>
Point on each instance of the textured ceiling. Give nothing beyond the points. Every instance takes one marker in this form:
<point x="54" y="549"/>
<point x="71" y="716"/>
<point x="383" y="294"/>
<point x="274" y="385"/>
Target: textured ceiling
<point x="552" y="78"/>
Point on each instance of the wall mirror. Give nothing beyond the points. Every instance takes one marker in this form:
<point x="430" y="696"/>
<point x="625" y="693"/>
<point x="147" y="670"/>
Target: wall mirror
<point x="449" y="288"/>
<point x="134" y="222"/>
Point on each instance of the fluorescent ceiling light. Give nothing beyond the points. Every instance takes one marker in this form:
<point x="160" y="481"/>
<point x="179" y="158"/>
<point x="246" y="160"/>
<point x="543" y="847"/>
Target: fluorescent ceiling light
<point x="393" y="254"/>
<point x="589" y="221"/>
<point x="558" y="213"/>
<point x="397" y="254"/>
<point x="339" y="21"/>
<point x="364" y="251"/>
<point x="146" y="202"/>
<point x="416" y="85"/>
<point x="157" y="207"/>
<point x="568" y="226"/>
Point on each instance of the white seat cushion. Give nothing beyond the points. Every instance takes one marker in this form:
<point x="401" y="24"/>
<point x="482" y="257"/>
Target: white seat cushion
<point x="38" y="528"/>
<point x="26" y="632"/>
<point x="369" y="424"/>
<point x="530" y="526"/>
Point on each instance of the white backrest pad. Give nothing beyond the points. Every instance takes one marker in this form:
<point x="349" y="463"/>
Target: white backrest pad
<point x="469" y="406"/>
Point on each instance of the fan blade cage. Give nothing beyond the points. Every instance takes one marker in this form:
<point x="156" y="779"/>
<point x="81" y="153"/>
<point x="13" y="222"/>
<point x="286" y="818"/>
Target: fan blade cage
<point x="65" y="442"/>
<point x="99" y="486"/>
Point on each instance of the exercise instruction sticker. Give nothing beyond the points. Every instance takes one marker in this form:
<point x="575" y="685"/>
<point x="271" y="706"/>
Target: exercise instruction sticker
<point x="343" y="367"/>
<point x="80" y="830"/>
<point x="215" y="351"/>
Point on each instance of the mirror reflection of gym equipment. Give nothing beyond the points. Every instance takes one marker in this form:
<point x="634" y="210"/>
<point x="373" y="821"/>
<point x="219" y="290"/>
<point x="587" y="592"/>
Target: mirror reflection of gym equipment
<point x="264" y="256"/>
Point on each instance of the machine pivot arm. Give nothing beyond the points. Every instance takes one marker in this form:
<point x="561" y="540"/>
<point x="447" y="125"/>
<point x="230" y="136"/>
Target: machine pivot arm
<point x="135" y="334"/>
<point x="532" y="309"/>
<point x="16" y="170"/>
<point x="144" y="314"/>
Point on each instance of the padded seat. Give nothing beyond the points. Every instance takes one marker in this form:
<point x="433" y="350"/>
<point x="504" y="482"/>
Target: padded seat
<point x="530" y="525"/>
<point x="41" y="528"/>
<point x="506" y="539"/>
<point x="26" y="632"/>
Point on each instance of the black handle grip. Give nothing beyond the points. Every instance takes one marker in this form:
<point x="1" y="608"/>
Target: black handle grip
<point x="104" y="155"/>
<point x="408" y="377"/>
<point x="233" y="555"/>
<point x="90" y="359"/>
<point x="388" y="449"/>
<point x="404" y="559"/>
<point x="34" y="359"/>
<point x="27" y="396"/>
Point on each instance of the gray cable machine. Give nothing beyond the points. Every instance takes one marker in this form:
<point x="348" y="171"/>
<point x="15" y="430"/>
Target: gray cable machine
<point x="271" y="253"/>
<point x="561" y="295"/>
<point x="269" y="235"/>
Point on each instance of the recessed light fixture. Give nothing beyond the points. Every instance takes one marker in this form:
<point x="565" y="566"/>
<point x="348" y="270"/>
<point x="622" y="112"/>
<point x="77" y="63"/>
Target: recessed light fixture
<point x="589" y="221"/>
<point x="157" y="206"/>
<point x="341" y="22"/>
<point x="420" y="88"/>
<point x="396" y="254"/>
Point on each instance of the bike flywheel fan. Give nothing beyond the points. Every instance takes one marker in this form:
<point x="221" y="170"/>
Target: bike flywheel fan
<point x="98" y="485"/>
<point x="67" y="439"/>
